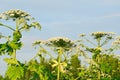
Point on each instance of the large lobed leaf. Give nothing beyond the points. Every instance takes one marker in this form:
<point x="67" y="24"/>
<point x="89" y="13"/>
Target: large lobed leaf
<point x="15" y="72"/>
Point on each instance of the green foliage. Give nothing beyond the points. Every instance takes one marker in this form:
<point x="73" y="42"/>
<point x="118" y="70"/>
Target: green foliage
<point x="9" y="46"/>
<point x="66" y="65"/>
<point x="109" y="65"/>
<point x="17" y="35"/>
<point x="15" y="45"/>
<point x="11" y="61"/>
<point x="75" y="65"/>
<point x="15" y="72"/>
<point x="4" y="78"/>
<point x="5" y="48"/>
<point x="75" y="62"/>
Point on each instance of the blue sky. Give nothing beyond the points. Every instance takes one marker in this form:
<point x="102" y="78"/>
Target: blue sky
<point x="67" y="18"/>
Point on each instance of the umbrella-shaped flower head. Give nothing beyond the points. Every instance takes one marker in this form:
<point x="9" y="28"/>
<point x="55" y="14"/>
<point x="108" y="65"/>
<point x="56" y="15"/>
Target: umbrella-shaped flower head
<point x="117" y="41"/>
<point x="101" y="34"/>
<point x="61" y="42"/>
<point x="24" y="21"/>
<point x="14" y="14"/>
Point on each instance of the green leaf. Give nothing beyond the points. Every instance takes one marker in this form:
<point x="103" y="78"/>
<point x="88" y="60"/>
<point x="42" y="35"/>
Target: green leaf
<point x="75" y="62"/>
<point x="11" y="61"/>
<point x="15" y="72"/>
<point x="82" y="73"/>
<point x="34" y="66"/>
<point x="2" y="48"/>
<point x="17" y="35"/>
<point x="15" y="45"/>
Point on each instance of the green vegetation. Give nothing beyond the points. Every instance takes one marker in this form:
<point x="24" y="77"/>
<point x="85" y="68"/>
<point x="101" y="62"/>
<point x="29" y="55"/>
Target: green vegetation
<point x="91" y="57"/>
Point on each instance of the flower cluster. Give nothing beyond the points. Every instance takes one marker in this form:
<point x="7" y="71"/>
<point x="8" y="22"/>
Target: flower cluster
<point x="117" y="41"/>
<point x="102" y="34"/>
<point x="62" y="42"/>
<point x="82" y="35"/>
<point x="38" y="42"/>
<point x="14" y="14"/>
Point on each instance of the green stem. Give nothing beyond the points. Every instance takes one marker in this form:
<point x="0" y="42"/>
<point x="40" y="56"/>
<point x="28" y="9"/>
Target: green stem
<point x="99" y="75"/>
<point x="99" y="42"/>
<point x="58" y="74"/>
<point x="14" y="54"/>
<point x="59" y="60"/>
<point x="90" y="42"/>
<point x="105" y="42"/>
<point x="17" y="26"/>
<point x="7" y="27"/>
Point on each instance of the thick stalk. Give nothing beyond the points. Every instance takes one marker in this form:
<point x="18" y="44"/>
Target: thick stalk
<point x="17" y="25"/>
<point x="59" y="60"/>
<point x="14" y="54"/>
<point x="99" y="57"/>
<point x="99" y="75"/>
<point x="99" y="42"/>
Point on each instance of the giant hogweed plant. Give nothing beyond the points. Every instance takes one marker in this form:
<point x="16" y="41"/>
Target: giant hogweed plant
<point x="100" y="39"/>
<point x="101" y="57"/>
<point x="23" y="21"/>
<point x="61" y="45"/>
<point x="62" y="69"/>
<point x="66" y="65"/>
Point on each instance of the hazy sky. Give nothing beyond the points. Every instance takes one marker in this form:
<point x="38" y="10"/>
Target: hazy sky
<point x="64" y="18"/>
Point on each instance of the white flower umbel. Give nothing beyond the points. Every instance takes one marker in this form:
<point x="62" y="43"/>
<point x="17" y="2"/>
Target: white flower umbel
<point x="14" y="14"/>
<point x="101" y="34"/>
<point x="117" y="41"/>
<point x="82" y="35"/>
<point x="38" y="42"/>
<point x="62" y="42"/>
<point x="24" y="21"/>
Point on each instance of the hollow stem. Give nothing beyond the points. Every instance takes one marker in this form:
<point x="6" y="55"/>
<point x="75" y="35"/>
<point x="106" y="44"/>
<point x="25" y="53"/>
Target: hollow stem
<point x="59" y="60"/>
<point x="99" y="42"/>
<point x="14" y="54"/>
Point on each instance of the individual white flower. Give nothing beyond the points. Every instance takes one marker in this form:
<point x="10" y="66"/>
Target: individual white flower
<point x="12" y="15"/>
<point x="22" y="15"/>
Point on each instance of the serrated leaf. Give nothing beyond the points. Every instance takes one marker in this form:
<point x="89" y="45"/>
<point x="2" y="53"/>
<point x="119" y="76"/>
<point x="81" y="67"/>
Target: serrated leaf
<point x="2" y="48"/>
<point x="11" y="61"/>
<point x="33" y="66"/>
<point x="15" y="72"/>
<point x="75" y="62"/>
